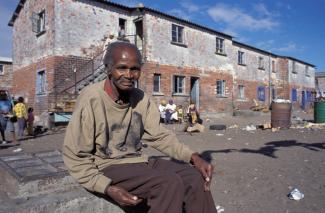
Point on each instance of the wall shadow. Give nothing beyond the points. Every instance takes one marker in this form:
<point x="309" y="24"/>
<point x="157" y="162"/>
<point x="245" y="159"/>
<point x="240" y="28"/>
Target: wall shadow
<point x="269" y="149"/>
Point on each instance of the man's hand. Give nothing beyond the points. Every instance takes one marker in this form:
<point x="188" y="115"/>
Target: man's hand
<point x="205" y="168"/>
<point x="122" y="197"/>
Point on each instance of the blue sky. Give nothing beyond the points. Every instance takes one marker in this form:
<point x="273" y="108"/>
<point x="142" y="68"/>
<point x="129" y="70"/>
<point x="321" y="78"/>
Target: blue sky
<point x="288" y="27"/>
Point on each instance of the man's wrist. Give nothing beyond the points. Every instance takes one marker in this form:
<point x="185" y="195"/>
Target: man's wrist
<point x="194" y="156"/>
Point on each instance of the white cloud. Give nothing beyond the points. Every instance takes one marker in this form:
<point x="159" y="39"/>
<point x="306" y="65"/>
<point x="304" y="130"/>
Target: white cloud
<point x="189" y="6"/>
<point x="262" y="10"/>
<point x="289" y="47"/>
<point x="180" y="13"/>
<point x="237" y="19"/>
<point x="266" y="45"/>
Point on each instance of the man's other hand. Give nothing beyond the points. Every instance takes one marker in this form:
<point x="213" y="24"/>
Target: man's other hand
<point x="205" y="168"/>
<point x="122" y="197"/>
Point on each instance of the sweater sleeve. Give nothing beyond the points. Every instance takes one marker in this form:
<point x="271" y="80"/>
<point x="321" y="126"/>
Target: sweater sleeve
<point x="161" y="138"/>
<point x="79" y="144"/>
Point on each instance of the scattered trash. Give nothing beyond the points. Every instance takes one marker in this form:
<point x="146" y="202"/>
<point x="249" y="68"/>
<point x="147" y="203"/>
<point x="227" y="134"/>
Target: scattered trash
<point x="295" y="195"/>
<point x="281" y="101"/>
<point x="265" y="126"/>
<point x="219" y="134"/>
<point x="17" y="150"/>
<point x="220" y="209"/>
<point x="250" y="128"/>
<point x="229" y="139"/>
<point x="275" y="129"/>
<point x="207" y="120"/>
<point x="233" y="126"/>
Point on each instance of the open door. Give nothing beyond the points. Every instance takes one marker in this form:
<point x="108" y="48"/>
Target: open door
<point x="195" y="91"/>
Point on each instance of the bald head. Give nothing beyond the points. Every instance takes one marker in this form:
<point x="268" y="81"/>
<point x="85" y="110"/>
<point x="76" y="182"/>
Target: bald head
<point x="117" y="50"/>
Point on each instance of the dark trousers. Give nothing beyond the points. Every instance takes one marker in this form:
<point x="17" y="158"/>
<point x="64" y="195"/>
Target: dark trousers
<point x="21" y="126"/>
<point x="167" y="186"/>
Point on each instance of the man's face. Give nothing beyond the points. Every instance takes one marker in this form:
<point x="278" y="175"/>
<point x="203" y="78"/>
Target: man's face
<point x="126" y="68"/>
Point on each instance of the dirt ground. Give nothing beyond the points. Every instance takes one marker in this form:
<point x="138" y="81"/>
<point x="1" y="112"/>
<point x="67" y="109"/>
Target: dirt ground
<point x="254" y="170"/>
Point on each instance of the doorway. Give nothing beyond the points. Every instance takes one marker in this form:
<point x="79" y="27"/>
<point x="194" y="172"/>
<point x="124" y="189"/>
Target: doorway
<point x="195" y="91"/>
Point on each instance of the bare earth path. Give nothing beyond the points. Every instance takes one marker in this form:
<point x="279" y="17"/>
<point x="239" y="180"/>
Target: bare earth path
<point x="254" y="170"/>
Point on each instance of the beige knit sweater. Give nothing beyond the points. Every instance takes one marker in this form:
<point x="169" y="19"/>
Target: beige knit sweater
<point x="102" y="133"/>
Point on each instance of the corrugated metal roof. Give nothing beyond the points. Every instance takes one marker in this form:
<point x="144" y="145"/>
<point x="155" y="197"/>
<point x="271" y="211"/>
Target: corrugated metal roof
<point x="5" y="59"/>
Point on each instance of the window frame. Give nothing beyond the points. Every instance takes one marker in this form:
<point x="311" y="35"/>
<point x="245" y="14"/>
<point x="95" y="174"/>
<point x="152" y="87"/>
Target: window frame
<point x="220" y="46"/>
<point x="2" y="69"/>
<point x="39" y="22"/>
<point x="307" y="71"/>
<point x="241" y="92"/>
<point x="294" y="94"/>
<point x="294" y="68"/>
<point x="273" y="66"/>
<point x="222" y="87"/>
<point x="261" y="63"/>
<point x="41" y="81"/>
<point x="241" y="57"/>
<point x="178" y="38"/>
<point x="159" y="83"/>
<point x="176" y="86"/>
<point x="261" y="93"/>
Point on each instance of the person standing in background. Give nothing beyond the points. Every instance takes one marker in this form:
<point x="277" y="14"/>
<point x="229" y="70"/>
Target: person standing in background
<point x="30" y="121"/>
<point x="21" y="113"/>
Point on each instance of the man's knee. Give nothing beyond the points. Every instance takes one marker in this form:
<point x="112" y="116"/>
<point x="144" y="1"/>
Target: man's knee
<point x="172" y="182"/>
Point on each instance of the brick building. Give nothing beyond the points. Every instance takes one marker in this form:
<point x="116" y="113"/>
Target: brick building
<point x="58" y="44"/>
<point x="5" y="73"/>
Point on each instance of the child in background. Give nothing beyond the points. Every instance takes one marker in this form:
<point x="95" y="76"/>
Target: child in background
<point x="30" y="121"/>
<point x="180" y="114"/>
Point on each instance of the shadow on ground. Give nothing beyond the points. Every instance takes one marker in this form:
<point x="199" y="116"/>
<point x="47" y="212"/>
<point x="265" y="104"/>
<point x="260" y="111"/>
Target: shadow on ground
<point x="269" y="149"/>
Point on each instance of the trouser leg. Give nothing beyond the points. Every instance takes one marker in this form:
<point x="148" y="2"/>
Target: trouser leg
<point x="195" y="198"/>
<point x="163" y="190"/>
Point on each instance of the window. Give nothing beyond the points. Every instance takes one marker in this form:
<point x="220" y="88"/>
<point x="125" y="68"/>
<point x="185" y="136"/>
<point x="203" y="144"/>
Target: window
<point x="294" y="94"/>
<point x="179" y="86"/>
<point x="220" y="48"/>
<point x="273" y="66"/>
<point x="2" y="71"/>
<point x="177" y="34"/>
<point x="294" y="69"/>
<point x="307" y="70"/>
<point x="241" y="92"/>
<point x="156" y="83"/>
<point x="38" y="22"/>
<point x="261" y="93"/>
<point x="261" y="63"/>
<point x="221" y="87"/>
<point x="241" y="58"/>
<point x="122" y="28"/>
<point x="41" y="83"/>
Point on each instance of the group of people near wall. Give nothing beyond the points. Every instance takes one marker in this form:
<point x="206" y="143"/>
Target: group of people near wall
<point x="14" y="113"/>
<point x="171" y="112"/>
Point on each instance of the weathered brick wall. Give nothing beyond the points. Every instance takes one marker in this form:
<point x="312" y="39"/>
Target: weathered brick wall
<point x="301" y="77"/>
<point x="28" y="47"/>
<point x="24" y="83"/>
<point x="209" y="102"/>
<point x="6" y="77"/>
<point x="200" y="45"/>
<point x="81" y="27"/>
